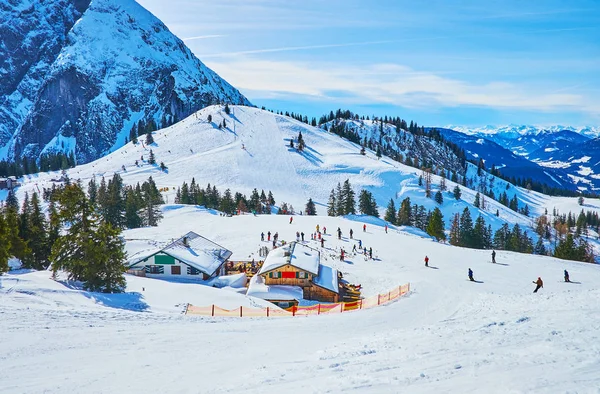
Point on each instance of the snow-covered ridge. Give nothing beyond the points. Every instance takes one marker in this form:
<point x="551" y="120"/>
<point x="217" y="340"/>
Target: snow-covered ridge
<point x="514" y="130"/>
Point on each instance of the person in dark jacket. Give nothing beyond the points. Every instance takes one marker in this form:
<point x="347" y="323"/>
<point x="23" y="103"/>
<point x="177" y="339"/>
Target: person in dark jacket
<point x="471" y="275"/>
<point x="262" y="236"/>
<point x="370" y="252"/>
<point x="567" y="276"/>
<point x="494" y="256"/>
<point x="539" y="284"/>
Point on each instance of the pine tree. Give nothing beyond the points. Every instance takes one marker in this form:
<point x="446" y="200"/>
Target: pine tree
<point x="151" y="158"/>
<point x="37" y="237"/>
<point x="93" y="191"/>
<point x="151" y="213"/>
<point x="476" y="203"/>
<point x="455" y="230"/>
<point x="390" y="213"/>
<point x="227" y="110"/>
<point x="339" y="201"/>
<point x="367" y="204"/>
<point x="466" y="229"/>
<point x="209" y="118"/>
<point x="149" y="140"/>
<point x="438" y="197"/>
<point x="163" y="167"/>
<point x="227" y="204"/>
<point x="457" y="193"/>
<point x="378" y="152"/>
<point x="348" y="198"/>
<point x="436" y="225"/>
<point x="132" y="206"/>
<point x="331" y="204"/>
<point x="11" y="201"/>
<point x="540" y="248"/>
<point x="105" y="274"/>
<point x="18" y="246"/>
<point x="310" y="208"/>
<point x="479" y="233"/>
<point x="362" y="150"/>
<point x="405" y="217"/>
<point x="443" y="181"/>
<point x="90" y="251"/>
<point x="501" y="237"/>
<point x="4" y="245"/>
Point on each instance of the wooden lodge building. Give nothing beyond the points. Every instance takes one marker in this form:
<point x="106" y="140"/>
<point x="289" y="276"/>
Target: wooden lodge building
<point x="294" y="272"/>
<point x="191" y="256"/>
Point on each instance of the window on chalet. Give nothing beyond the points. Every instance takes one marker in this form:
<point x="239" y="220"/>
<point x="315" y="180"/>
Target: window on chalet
<point x="176" y="270"/>
<point x="154" y="269"/>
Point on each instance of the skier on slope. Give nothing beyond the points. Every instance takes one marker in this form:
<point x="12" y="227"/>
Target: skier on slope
<point x="351" y="232"/>
<point x="539" y="284"/>
<point x="297" y="236"/>
<point x="339" y="231"/>
<point x="567" y="276"/>
<point x="262" y="236"/>
<point x="291" y="219"/>
<point x="324" y="230"/>
<point x="471" y="275"/>
<point x="317" y="228"/>
<point x="386" y="227"/>
<point x="322" y="242"/>
<point x="364" y="228"/>
<point x="269" y="236"/>
<point x="426" y="261"/>
<point x="370" y="252"/>
<point x="302" y="235"/>
<point x="342" y="255"/>
<point x="494" y="256"/>
<point x="354" y="249"/>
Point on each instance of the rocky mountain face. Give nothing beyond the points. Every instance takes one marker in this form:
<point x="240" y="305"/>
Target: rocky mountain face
<point x="78" y="75"/>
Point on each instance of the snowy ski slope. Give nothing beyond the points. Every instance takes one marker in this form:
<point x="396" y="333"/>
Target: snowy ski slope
<point x="448" y="335"/>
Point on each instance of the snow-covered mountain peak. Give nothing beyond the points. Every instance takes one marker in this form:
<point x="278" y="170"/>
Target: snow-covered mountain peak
<point x="89" y="71"/>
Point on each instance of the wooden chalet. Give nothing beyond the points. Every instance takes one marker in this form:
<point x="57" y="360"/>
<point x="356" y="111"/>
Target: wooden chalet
<point x="296" y="266"/>
<point x="191" y="256"/>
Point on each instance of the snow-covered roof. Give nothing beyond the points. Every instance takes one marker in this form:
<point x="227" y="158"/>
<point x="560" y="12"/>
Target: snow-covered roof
<point x="194" y="250"/>
<point x="295" y="254"/>
<point x="327" y="278"/>
<point x="258" y="288"/>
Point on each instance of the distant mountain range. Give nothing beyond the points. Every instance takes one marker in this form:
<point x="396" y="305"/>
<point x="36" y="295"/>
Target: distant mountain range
<point x="558" y="156"/>
<point x="77" y="75"/>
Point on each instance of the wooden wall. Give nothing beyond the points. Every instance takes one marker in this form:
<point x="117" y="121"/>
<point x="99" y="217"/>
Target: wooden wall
<point x="317" y="293"/>
<point x="295" y="281"/>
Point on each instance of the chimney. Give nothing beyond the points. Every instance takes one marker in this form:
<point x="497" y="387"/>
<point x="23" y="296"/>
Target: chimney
<point x="185" y="240"/>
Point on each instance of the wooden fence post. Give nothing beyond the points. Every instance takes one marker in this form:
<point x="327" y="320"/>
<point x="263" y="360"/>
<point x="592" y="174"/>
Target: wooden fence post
<point x="293" y="310"/>
<point x="378" y="299"/>
<point x="267" y="311"/>
<point x="341" y="307"/>
<point x="319" y="309"/>
<point x="241" y="311"/>
<point x="213" y="310"/>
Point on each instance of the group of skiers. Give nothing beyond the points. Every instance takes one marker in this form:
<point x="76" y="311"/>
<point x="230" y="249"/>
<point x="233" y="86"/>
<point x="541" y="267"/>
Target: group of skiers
<point x="539" y="284"/>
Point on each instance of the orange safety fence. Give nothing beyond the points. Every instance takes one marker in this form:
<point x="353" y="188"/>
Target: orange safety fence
<point x="318" y="309"/>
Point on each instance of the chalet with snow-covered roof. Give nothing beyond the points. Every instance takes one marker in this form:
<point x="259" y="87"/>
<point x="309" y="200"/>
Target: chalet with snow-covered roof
<point x="292" y="268"/>
<point x="190" y="256"/>
<point x="9" y="183"/>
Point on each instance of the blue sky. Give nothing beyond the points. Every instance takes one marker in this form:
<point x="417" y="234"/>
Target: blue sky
<point x="438" y="62"/>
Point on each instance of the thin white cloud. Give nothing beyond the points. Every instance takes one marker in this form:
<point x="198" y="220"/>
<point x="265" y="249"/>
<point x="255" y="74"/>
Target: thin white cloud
<point x="296" y="48"/>
<point x="203" y="37"/>
<point x="390" y="84"/>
